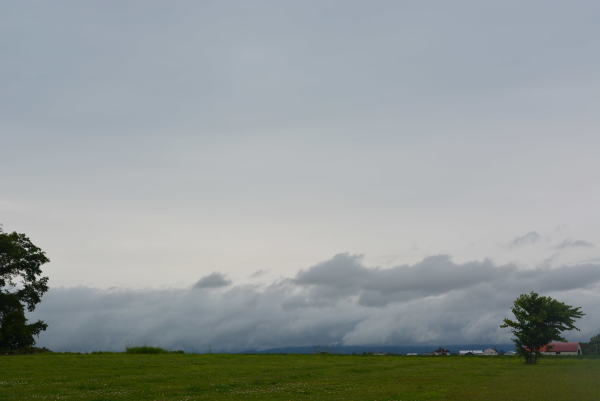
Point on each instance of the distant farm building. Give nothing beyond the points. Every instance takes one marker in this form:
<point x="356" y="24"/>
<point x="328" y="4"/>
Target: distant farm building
<point x="561" y="349"/>
<point x="470" y="352"/>
<point x="441" y="351"/>
<point x="489" y="351"/>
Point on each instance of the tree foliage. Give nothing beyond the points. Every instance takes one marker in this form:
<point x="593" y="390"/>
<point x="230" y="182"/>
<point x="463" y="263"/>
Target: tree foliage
<point x="15" y="333"/>
<point x="538" y="321"/>
<point x="21" y="288"/>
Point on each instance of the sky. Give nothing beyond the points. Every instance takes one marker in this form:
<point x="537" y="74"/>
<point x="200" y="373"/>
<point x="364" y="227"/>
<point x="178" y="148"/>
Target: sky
<point x="172" y="154"/>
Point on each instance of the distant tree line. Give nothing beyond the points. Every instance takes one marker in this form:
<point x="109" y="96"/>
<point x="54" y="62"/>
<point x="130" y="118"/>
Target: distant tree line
<point x="592" y="347"/>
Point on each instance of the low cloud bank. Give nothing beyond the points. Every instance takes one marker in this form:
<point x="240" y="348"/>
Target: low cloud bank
<point x="339" y="301"/>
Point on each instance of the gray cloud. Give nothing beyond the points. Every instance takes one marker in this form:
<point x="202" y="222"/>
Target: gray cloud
<point x="345" y="275"/>
<point x="569" y="243"/>
<point x="337" y="301"/>
<point x="532" y="237"/>
<point x="258" y="273"/>
<point x="213" y="280"/>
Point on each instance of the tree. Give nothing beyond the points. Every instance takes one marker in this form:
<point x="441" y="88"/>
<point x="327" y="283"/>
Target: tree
<point x="21" y="287"/>
<point x="595" y="339"/>
<point x="538" y="321"/>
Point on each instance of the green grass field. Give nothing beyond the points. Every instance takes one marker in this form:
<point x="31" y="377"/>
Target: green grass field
<point x="110" y="377"/>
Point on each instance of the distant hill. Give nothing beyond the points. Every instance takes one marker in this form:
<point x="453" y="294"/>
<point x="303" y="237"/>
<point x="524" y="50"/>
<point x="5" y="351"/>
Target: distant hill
<point x="387" y="349"/>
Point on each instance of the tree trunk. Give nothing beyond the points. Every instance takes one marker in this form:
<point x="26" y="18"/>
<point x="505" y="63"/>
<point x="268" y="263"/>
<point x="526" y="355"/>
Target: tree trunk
<point x="531" y="358"/>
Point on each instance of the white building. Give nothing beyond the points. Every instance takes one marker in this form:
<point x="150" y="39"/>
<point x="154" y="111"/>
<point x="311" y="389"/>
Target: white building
<point x="490" y="351"/>
<point x="470" y="352"/>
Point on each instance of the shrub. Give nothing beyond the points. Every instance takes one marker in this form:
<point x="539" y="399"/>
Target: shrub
<point x="150" y="350"/>
<point x="26" y="350"/>
<point x="146" y="350"/>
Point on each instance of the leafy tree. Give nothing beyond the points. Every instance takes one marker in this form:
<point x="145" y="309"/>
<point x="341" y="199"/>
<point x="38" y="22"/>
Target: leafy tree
<point x="21" y="287"/>
<point x="538" y="321"/>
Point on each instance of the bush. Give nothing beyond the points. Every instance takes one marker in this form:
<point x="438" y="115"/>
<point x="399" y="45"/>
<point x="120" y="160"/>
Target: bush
<point x="146" y="350"/>
<point x="150" y="350"/>
<point x="25" y="350"/>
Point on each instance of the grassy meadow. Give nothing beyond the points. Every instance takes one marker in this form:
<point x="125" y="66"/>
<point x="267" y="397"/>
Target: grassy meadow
<point x="183" y="377"/>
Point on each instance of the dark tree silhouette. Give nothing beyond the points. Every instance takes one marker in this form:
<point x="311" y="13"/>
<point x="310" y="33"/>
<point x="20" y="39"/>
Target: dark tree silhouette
<point x="21" y="288"/>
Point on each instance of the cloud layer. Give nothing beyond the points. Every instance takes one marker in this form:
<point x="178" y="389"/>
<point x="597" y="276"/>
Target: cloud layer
<point x="338" y="301"/>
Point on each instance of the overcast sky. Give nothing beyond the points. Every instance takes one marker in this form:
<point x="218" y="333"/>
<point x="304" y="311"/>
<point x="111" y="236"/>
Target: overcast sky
<point x="148" y="144"/>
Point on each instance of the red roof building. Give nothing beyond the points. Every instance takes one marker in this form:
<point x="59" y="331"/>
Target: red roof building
<point x="561" y="349"/>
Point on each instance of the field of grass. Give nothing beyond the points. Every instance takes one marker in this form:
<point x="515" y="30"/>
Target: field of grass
<point x="183" y="377"/>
